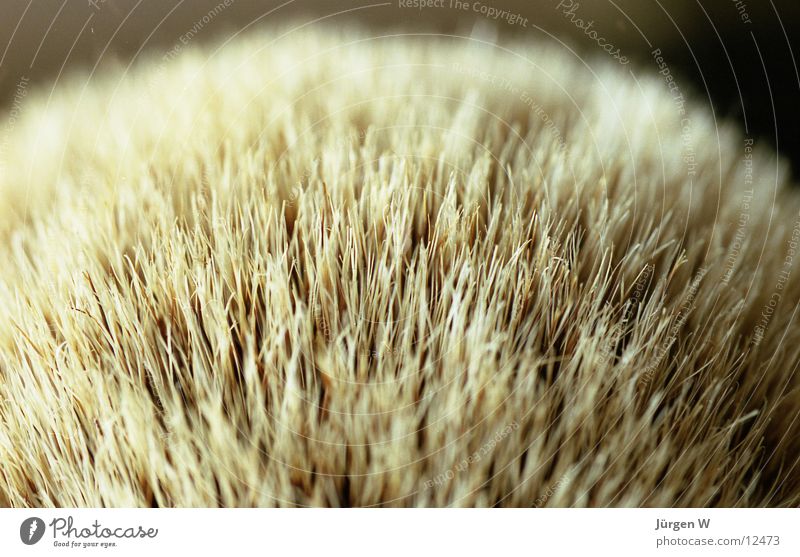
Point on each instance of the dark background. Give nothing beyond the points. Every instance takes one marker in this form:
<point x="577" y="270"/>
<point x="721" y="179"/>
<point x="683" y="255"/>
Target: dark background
<point x="705" y="41"/>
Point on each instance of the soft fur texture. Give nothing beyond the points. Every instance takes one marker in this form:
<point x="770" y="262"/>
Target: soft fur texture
<point x="312" y="268"/>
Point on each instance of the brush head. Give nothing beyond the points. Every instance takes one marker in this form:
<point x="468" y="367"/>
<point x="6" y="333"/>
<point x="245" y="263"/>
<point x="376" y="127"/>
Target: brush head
<point x="329" y="269"/>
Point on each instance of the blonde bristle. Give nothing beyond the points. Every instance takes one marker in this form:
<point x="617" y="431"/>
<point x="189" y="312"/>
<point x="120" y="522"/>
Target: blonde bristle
<point x="329" y="270"/>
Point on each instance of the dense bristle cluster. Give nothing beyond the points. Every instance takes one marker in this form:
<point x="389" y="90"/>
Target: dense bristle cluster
<point x="327" y="270"/>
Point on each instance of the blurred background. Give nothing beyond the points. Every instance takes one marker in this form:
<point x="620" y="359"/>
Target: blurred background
<point x="736" y="55"/>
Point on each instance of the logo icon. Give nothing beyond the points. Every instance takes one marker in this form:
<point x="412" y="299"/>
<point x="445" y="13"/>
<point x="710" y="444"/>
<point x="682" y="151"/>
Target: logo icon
<point x="32" y="530"/>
